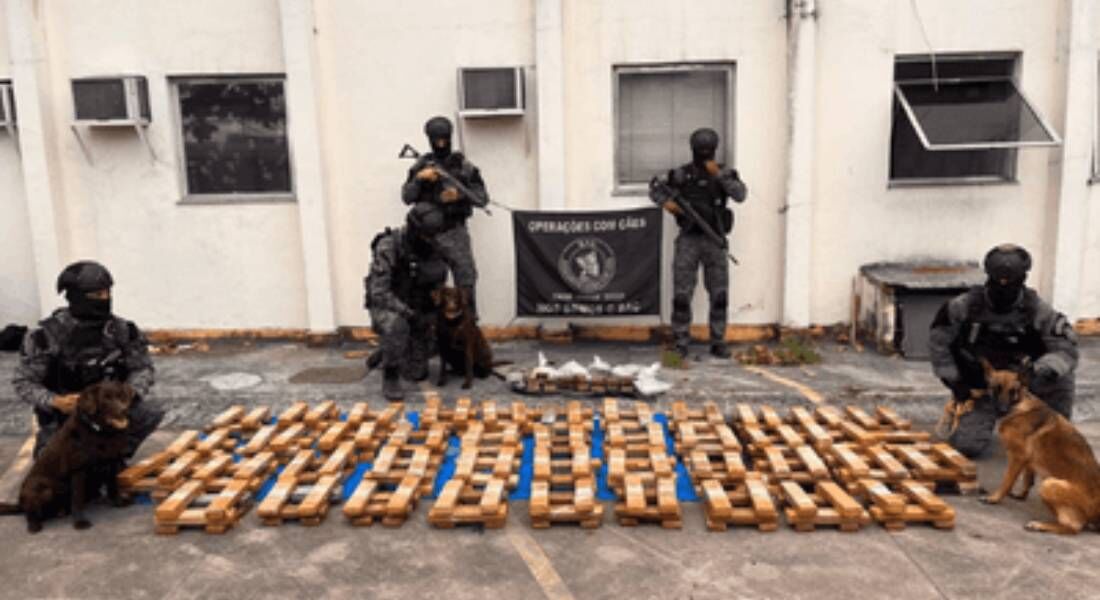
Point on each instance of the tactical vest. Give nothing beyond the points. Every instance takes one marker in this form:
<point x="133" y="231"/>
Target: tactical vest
<point x="706" y="196"/>
<point x="85" y="357"/>
<point x="414" y="276"/>
<point x="1001" y="338"/>
<point x="454" y="213"/>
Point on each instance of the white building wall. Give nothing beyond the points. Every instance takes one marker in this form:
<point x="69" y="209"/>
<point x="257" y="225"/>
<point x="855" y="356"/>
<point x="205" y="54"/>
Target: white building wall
<point x="176" y="266"/>
<point x="1089" y="304"/>
<point x="382" y="69"/>
<point x="600" y="35"/>
<point x="858" y="219"/>
<point x="18" y="294"/>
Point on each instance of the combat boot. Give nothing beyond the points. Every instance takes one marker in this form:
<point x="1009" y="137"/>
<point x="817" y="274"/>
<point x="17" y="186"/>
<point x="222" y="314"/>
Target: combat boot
<point x="391" y="385"/>
<point x="719" y="350"/>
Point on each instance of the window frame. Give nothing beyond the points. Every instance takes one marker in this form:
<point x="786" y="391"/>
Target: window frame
<point x="1055" y="140"/>
<point x="188" y="198"/>
<point x="619" y="188"/>
<point x="895" y="95"/>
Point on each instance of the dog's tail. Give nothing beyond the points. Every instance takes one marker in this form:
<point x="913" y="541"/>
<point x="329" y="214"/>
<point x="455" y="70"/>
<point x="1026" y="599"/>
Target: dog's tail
<point x="10" y="509"/>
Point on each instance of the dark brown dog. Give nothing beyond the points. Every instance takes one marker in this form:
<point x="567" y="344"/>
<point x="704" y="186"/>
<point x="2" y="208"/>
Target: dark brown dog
<point x="1040" y="441"/>
<point x="92" y="440"/>
<point x="462" y="346"/>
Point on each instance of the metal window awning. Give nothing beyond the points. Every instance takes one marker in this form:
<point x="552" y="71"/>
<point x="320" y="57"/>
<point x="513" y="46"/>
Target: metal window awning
<point x="973" y="114"/>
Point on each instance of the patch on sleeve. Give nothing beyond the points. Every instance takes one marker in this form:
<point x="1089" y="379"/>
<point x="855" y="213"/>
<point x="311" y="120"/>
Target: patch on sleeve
<point x="1063" y="328"/>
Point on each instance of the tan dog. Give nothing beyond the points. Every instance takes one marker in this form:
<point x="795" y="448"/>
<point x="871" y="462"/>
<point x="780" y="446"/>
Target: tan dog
<point x="1040" y="441"/>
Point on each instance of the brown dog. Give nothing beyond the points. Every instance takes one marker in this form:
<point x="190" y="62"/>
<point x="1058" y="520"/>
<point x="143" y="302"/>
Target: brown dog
<point x="462" y="346"/>
<point x="1040" y="441"/>
<point x="93" y="437"/>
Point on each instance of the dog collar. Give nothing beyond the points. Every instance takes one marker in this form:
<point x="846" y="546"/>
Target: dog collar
<point x="96" y="427"/>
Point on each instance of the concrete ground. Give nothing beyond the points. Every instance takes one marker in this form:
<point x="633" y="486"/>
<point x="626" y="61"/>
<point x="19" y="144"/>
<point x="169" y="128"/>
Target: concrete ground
<point x="988" y="554"/>
<point x="193" y="387"/>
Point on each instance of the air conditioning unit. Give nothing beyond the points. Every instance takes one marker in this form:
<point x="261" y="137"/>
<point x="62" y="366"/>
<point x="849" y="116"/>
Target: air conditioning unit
<point x="491" y="91"/>
<point x="7" y="105"/>
<point x="111" y="101"/>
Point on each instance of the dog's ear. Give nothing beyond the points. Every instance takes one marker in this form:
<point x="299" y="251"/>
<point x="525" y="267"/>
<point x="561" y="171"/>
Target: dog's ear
<point x="129" y="393"/>
<point x="88" y="403"/>
<point x="1025" y="370"/>
<point x="437" y="296"/>
<point x="987" y="368"/>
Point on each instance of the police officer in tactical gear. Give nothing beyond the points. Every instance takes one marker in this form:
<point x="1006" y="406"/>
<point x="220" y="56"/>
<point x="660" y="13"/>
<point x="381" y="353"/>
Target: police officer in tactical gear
<point x="424" y="184"/>
<point x="1009" y="325"/>
<point x="707" y="186"/>
<point x="405" y="268"/>
<point x="82" y="345"/>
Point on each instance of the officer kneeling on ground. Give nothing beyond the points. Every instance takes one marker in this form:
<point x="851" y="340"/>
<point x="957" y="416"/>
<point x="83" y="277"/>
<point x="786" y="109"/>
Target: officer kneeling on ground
<point x="405" y="268"/>
<point x="1004" y="322"/>
<point x="80" y="346"/>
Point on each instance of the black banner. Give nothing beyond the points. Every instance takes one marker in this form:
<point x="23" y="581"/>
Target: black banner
<point x="588" y="264"/>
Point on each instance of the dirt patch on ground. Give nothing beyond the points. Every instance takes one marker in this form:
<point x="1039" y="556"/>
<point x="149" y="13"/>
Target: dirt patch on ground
<point x="352" y="374"/>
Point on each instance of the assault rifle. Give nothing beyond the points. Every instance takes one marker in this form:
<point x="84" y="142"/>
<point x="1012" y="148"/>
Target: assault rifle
<point x="476" y="199"/>
<point x="671" y="194"/>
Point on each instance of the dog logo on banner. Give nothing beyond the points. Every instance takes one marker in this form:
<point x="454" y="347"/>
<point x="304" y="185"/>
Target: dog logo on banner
<point x="587" y="265"/>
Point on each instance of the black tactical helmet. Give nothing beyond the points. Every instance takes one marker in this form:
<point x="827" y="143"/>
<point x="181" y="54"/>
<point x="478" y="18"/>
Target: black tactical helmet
<point x="438" y="127"/>
<point x="424" y="219"/>
<point x="84" y="276"/>
<point x="1007" y="262"/>
<point x="704" y="139"/>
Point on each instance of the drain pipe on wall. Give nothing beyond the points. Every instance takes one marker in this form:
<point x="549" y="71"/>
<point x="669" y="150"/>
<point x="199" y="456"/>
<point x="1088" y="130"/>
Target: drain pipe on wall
<point x="798" y="207"/>
<point x="1071" y="240"/>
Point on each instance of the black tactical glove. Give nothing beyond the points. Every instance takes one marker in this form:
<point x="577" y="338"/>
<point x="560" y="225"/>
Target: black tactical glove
<point x="1041" y="370"/>
<point x="959" y="389"/>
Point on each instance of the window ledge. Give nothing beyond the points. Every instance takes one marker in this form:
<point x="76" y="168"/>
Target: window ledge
<point x="235" y="199"/>
<point x="949" y="182"/>
<point x="639" y="190"/>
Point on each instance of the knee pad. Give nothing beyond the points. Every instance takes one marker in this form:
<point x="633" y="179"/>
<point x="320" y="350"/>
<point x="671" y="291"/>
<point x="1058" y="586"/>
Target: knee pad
<point x="971" y="444"/>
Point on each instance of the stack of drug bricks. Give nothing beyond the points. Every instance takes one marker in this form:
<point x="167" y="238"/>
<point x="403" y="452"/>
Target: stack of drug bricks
<point x="563" y="486"/>
<point x="599" y="384"/>
<point x="403" y="471"/>
<point x="204" y="486"/>
<point x="640" y="471"/>
<point x="485" y="471"/>
<point x="713" y="456"/>
<point x="825" y="502"/>
<point x="796" y="474"/>
<point x="895" y="469"/>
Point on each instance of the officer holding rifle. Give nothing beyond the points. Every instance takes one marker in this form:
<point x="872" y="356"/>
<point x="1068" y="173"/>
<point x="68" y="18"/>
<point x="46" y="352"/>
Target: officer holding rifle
<point x="697" y="194"/>
<point x="449" y="180"/>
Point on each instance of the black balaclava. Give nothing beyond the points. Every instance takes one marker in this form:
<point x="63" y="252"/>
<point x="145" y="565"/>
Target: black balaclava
<point x="423" y="222"/>
<point x="704" y="144"/>
<point x="1006" y="267"/>
<point x="77" y="281"/>
<point x="438" y="130"/>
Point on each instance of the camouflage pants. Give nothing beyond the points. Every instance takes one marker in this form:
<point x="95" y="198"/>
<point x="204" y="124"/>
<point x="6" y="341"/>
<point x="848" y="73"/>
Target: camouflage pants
<point x="454" y="245"/>
<point x="144" y="419"/>
<point x="405" y="345"/>
<point x="975" y="432"/>
<point x="691" y="250"/>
